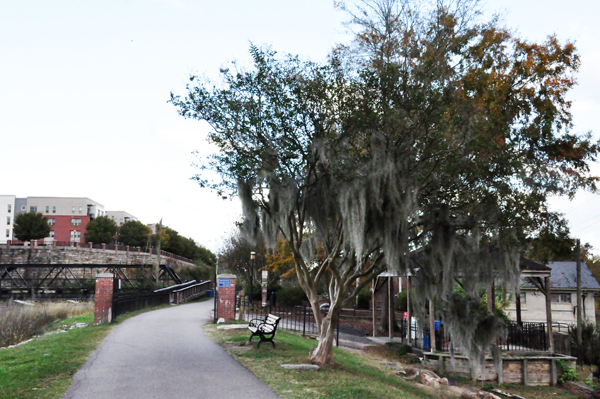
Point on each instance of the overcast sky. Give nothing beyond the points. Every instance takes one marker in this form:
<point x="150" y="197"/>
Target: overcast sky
<point x="84" y="88"/>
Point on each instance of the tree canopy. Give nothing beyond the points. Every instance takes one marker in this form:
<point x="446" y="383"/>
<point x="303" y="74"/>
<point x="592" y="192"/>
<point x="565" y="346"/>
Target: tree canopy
<point x="430" y="144"/>
<point x="101" y="230"/>
<point x="134" y="233"/>
<point x="31" y="226"/>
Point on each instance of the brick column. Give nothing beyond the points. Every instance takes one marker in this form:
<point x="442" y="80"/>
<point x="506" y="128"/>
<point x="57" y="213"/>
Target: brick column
<point x="8" y="244"/>
<point x="226" y="297"/>
<point x="104" y="298"/>
<point x="90" y="244"/>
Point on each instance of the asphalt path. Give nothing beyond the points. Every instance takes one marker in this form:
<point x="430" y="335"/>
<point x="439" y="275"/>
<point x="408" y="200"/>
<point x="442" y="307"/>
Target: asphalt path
<point x="165" y="354"/>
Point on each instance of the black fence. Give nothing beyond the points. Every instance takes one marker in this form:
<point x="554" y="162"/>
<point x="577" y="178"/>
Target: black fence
<point x="132" y="301"/>
<point x="293" y="318"/>
<point x="525" y="337"/>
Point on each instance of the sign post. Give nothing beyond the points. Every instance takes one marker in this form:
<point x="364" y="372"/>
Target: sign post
<point x="265" y="275"/>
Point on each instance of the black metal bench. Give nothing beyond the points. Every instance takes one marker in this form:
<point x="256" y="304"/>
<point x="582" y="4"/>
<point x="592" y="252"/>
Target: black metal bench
<point x="264" y="328"/>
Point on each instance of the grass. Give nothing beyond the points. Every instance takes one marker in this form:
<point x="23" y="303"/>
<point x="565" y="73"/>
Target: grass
<point x="19" y="322"/>
<point x="44" y="368"/>
<point x="355" y="375"/>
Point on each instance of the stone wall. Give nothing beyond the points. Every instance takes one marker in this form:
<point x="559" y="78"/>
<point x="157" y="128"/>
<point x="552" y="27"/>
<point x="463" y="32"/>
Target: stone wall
<point x="72" y="255"/>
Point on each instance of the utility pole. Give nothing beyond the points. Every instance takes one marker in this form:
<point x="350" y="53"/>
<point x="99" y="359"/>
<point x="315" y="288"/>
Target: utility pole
<point x="157" y="266"/>
<point x="579" y="340"/>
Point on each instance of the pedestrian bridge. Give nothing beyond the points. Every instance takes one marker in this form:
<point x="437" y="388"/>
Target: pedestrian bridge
<point x="69" y="269"/>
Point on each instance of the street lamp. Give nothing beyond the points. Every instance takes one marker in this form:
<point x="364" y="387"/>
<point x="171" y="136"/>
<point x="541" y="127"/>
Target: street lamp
<point x="252" y="260"/>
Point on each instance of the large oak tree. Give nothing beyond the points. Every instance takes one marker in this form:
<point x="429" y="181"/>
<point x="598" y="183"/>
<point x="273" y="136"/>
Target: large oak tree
<point x="429" y="145"/>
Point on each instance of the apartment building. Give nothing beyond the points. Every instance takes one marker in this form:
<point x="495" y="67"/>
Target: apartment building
<point x="7" y="217"/>
<point x="120" y="217"/>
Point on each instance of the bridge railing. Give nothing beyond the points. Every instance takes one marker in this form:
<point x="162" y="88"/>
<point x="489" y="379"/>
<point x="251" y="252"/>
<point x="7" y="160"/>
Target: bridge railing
<point x="191" y="292"/>
<point x="104" y="247"/>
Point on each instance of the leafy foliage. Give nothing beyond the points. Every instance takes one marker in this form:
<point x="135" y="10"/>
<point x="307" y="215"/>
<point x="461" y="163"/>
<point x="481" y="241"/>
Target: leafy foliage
<point x="101" y="230"/>
<point x="31" y="226"/>
<point x="134" y="233"/>
<point x="568" y="373"/>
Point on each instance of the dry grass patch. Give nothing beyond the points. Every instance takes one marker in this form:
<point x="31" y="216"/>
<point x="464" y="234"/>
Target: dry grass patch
<point x="20" y="322"/>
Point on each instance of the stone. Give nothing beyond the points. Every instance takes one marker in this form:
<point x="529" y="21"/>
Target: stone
<point x="444" y="381"/>
<point x="221" y="320"/>
<point x="80" y="325"/>
<point x="312" y="367"/>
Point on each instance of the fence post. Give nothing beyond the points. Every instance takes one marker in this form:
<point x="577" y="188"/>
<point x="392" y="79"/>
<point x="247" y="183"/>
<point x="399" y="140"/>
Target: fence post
<point x="304" y="318"/>
<point x="337" y="338"/>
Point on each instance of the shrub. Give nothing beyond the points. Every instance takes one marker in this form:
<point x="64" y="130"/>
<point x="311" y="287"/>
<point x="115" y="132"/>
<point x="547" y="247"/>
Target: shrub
<point x="363" y="299"/>
<point x="291" y="296"/>
<point x="402" y="301"/>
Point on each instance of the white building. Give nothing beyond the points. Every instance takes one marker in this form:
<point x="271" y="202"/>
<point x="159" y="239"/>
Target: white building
<point x="120" y="217"/>
<point x="73" y="206"/>
<point x="563" y="296"/>
<point x="7" y="217"/>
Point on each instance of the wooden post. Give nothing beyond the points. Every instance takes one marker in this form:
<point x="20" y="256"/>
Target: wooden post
<point x="500" y="371"/>
<point x="373" y="285"/>
<point x="390" y="309"/>
<point x="549" y="315"/>
<point x="579" y="304"/>
<point x="518" y="304"/>
<point x="525" y="373"/>
<point x="431" y="326"/>
<point x="408" y="312"/>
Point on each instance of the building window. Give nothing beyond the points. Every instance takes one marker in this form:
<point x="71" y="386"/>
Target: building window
<point x="9" y="208"/>
<point x="53" y="209"/>
<point x="47" y="209"/>
<point x="23" y="207"/>
<point x="51" y="222"/>
<point x="7" y="233"/>
<point x="80" y="209"/>
<point x="8" y="220"/>
<point x="51" y="233"/>
<point x="72" y="209"/>
<point x="33" y="209"/>
<point x="561" y="298"/>
<point x="75" y="235"/>
<point x="75" y="222"/>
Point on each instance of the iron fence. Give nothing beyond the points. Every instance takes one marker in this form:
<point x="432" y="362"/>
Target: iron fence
<point x="293" y="318"/>
<point x="132" y="301"/>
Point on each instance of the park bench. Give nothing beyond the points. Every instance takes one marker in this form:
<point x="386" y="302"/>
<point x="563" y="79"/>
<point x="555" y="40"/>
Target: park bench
<point x="264" y="328"/>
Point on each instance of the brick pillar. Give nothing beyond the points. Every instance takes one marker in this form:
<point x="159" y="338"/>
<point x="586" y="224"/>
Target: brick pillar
<point x="8" y="243"/>
<point x="226" y="297"/>
<point x="127" y="248"/>
<point x="139" y="250"/>
<point x="91" y="244"/>
<point x="104" y="298"/>
<point x="76" y="245"/>
<point x="104" y="247"/>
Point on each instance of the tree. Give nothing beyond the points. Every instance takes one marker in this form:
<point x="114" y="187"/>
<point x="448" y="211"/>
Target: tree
<point x="134" y="233"/>
<point x="31" y="226"/>
<point x="101" y="230"/>
<point x="235" y="256"/>
<point x="429" y="145"/>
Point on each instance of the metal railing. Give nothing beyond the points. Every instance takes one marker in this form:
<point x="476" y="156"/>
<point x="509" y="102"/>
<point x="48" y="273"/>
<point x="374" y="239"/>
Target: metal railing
<point x="132" y="301"/>
<point x="190" y="292"/>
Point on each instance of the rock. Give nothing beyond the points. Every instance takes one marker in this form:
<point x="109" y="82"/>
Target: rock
<point x="312" y="367"/>
<point x="579" y="389"/>
<point x="444" y="381"/>
<point x="23" y="303"/>
<point x="79" y="325"/>
<point x="221" y="321"/>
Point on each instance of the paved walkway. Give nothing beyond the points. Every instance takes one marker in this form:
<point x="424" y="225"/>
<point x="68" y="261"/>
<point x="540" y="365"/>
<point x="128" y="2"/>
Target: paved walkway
<point x="165" y="354"/>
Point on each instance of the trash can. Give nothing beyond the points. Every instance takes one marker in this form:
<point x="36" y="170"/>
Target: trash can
<point x="426" y="340"/>
<point x="210" y="293"/>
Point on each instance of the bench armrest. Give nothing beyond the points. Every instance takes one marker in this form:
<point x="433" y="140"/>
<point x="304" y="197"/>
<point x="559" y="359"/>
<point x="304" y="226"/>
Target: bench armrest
<point x="255" y="322"/>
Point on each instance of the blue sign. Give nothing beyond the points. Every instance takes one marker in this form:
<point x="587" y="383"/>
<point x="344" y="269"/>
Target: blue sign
<point x="224" y="282"/>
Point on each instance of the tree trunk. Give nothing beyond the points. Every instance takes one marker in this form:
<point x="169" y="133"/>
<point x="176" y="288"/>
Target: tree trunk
<point x="323" y="353"/>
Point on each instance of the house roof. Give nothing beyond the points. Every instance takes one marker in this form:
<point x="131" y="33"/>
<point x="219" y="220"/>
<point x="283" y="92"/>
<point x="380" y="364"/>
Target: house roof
<point x="564" y="275"/>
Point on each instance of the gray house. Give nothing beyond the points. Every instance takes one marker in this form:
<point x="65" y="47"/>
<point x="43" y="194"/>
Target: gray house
<point x="563" y="296"/>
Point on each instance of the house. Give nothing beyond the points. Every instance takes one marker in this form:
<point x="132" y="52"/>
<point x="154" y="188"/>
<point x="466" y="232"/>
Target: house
<point x="7" y="217"/>
<point x="563" y="296"/>
<point x="120" y="217"/>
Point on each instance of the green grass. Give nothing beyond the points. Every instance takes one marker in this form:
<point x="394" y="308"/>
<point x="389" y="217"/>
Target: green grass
<point x="354" y="375"/>
<point x="44" y="368"/>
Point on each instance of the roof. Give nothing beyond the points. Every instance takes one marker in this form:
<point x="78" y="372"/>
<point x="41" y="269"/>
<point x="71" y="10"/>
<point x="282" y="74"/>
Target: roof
<point x="564" y="275"/>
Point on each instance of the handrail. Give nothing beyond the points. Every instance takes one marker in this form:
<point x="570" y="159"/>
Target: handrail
<point x="176" y="286"/>
<point x="195" y="285"/>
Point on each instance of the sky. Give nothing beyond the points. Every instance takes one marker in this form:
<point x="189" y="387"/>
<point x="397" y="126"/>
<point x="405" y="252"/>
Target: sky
<point x="84" y="88"/>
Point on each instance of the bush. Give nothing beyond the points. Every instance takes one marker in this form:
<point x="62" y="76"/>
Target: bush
<point x="402" y="301"/>
<point x="363" y="300"/>
<point x="291" y="296"/>
<point x="397" y="348"/>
